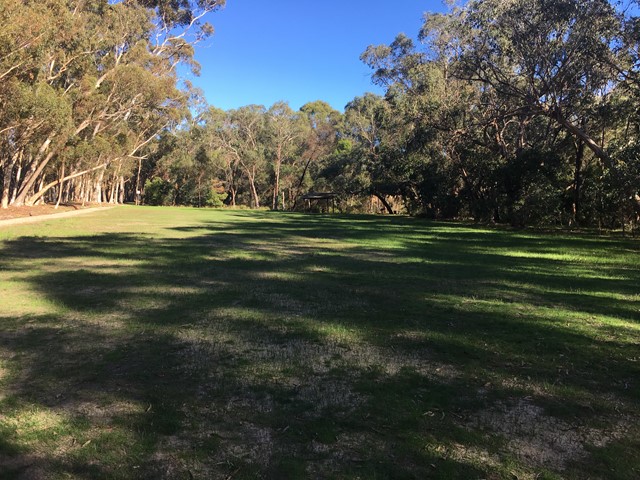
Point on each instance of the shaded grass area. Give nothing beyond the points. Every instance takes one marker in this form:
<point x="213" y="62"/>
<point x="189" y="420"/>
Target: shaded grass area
<point x="182" y="343"/>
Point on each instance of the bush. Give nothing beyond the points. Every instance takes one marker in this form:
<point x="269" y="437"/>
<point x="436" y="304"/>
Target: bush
<point x="215" y="198"/>
<point x="158" y="192"/>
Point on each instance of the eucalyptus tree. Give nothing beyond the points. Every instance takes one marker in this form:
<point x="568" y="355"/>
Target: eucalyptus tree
<point x="106" y="72"/>
<point x="548" y="58"/>
<point x="563" y="60"/>
<point x="259" y="151"/>
<point x="220" y="143"/>
<point x="500" y="82"/>
<point x="241" y="140"/>
<point x="436" y="118"/>
<point x="285" y="131"/>
<point x="375" y="139"/>
<point x="320" y="141"/>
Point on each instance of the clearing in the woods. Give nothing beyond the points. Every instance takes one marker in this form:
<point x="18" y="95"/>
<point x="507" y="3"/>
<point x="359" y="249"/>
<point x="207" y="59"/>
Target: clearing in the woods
<point x="184" y="343"/>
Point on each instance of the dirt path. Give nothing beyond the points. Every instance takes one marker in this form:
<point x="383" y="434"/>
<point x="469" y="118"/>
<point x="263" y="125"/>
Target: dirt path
<point x="38" y="218"/>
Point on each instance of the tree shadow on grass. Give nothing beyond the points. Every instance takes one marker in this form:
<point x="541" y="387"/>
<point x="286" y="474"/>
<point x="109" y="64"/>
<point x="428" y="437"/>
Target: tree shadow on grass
<point x="292" y="346"/>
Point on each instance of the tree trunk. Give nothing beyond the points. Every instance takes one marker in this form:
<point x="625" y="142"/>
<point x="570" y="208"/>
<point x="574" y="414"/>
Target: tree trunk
<point x="294" y="202"/>
<point x="276" y="186"/>
<point x="98" y="188"/>
<point x="16" y="182"/>
<point x="60" y="187"/>
<point x="6" y="181"/>
<point x="121" y="191"/>
<point x="114" y="191"/>
<point x="577" y="182"/>
<point x="254" y="192"/>
<point x="35" y="172"/>
<point x="580" y="134"/>
<point x="138" y="191"/>
<point x="35" y="197"/>
<point x="384" y="202"/>
<point x="30" y="179"/>
<point x="40" y="201"/>
<point x="251" y="176"/>
<point x="234" y="193"/>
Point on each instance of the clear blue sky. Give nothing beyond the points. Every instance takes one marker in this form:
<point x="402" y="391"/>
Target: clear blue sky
<point x="299" y="50"/>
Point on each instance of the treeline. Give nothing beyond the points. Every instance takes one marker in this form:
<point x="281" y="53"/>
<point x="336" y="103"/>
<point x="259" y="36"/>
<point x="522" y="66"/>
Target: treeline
<point x="86" y="88"/>
<point x="260" y="157"/>
<point x="519" y="111"/>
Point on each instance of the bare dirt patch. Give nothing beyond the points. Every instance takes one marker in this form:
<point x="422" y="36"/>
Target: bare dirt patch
<point x="542" y="440"/>
<point x="19" y="215"/>
<point x="37" y="210"/>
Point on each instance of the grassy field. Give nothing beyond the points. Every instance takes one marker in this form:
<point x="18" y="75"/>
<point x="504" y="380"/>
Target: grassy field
<point x="183" y="343"/>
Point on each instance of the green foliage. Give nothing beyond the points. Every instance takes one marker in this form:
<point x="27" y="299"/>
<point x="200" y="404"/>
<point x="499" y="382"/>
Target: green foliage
<point x="499" y="80"/>
<point x="533" y="189"/>
<point x="521" y="112"/>
<point x="159" y="192"/>
<point x="216" y="198"/>
<point x="79" y="74"/>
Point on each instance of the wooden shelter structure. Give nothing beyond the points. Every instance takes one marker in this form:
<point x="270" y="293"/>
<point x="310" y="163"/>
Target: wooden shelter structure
<point x="318" y="197"/>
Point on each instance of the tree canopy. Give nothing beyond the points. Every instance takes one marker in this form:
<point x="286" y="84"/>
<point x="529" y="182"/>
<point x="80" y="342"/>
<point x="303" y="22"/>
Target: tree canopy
<point x="518" y="111"/>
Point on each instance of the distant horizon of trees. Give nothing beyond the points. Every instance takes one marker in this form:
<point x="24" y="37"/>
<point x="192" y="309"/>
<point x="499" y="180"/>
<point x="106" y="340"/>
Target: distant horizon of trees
<point x="518" y="112"/>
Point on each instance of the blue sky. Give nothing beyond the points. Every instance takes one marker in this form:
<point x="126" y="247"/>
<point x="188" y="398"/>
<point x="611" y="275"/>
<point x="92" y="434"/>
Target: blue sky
<point x="299" y="51"/>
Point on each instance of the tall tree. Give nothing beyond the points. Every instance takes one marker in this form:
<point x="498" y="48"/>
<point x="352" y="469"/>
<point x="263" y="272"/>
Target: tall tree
<point x="285" y="130"/>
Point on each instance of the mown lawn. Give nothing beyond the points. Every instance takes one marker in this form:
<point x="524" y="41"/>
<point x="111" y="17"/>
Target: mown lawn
<point x="183" y="343"/>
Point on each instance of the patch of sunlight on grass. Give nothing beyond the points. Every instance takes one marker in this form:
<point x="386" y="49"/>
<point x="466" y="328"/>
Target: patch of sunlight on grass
<point x="240" y="313"/>
<point x="106" y="266"/>
<point x="561" y="270"/>
<point x="276" y="275"/>
<point x="250" y="255"/>
<point x="19" y="299"/>
<point x="320" y="269"/>
<point x="164" y="290"/>
<point x="31" y="425"/>
<point x="604" y="295"/>
<point x="563" y="257"/>
<point x="456" y="228"/>
<point x="553" y="316"/>
<point x="339" y="333"/>
<point x="507" y="287"/>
